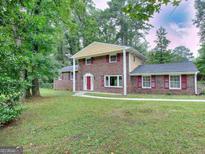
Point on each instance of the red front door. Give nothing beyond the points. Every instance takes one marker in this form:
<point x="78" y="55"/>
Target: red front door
<point x="88" y="83"/>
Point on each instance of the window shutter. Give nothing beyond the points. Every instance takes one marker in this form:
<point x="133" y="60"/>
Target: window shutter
<point x="92" y="59"/>
<point x="69" y="75"/>
<point x="153" y="81"/>
<point x="62" y="77"/>
<point x="102" y="81"/>
<point x="84" y="61"/>
<point x="139" y="81"/>
<point x="166" y="82"/>
<point x="118" y="57"/>
<point x="184" y="81"/>
<point x="107" y="58"/>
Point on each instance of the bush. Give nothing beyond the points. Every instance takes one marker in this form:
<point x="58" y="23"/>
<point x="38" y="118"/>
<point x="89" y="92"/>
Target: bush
<point x="10" y="93"/>
<point x="9" y="113"/>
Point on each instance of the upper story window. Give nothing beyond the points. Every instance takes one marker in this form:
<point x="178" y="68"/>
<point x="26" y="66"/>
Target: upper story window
<point x="88" y="61"/>
<point x="146" y="81"/>
<point x="174" y="82"/>
<point x="113" y="58"/>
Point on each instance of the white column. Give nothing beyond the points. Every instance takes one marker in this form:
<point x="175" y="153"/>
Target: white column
<point x="195" y="83"/>
<point x="74" y="75"/>
<point x="124" y="72"/>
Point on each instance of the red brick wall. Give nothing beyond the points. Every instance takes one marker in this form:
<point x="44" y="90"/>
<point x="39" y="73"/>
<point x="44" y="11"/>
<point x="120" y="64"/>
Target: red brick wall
<point x="99" y="68"/>
<point x="64" y="83"/>
<point x="160" y="86"/>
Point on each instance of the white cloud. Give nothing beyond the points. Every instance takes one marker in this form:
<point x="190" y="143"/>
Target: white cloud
<point x="187" y="36"/>
<point x="184" y="33"/>
<point x="101" y="4"/>
<point x="179" y="30"/>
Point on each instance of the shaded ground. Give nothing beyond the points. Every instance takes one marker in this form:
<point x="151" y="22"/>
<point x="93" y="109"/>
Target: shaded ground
<point x="60" y="123"/>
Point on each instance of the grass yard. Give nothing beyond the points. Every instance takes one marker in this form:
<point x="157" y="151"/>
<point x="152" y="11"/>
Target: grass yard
<point x="199" y="97"/>
<point x="60" y="123"/>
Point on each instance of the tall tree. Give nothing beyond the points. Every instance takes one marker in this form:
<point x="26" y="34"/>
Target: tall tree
<point x="160" y="53"/>
<point x="143" y="9"/>
<point x="181" y="54"/>
<point x="43" y="20"/>
<point x="84" y="30"/>
<point x="200" y="18"/>
<point x="200" y="23"/>
<point x="117" y="27"/>
<point x="201" y="60"/>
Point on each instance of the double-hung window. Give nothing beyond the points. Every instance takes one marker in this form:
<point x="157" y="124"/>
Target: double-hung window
<point x="113" y="58"/>
<point x="174" y="82"/>
<point x="113" y="81"/>
<point x="88" y="61"/>
<point x="146" y="81"/>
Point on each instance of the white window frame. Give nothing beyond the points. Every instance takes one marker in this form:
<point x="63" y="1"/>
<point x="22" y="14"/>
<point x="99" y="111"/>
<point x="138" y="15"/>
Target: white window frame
<point x="143" y="81"/>
<point x="118" y="81"/>
<point x="173" y="88"/>
<point x="86" y="61"/>
<point x="110" y="61"/>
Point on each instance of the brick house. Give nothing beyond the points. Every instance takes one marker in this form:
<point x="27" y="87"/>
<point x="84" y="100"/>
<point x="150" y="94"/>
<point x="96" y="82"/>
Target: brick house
<point x="104" y="67"/>
<point x="65" y="80"/>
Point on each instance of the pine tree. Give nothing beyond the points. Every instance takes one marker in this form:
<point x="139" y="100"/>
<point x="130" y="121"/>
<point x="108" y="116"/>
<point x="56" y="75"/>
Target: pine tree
<point x="160" y="53"/>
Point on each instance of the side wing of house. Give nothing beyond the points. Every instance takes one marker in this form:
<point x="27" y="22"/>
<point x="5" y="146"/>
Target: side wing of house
<point x="65" y="79"/>
<point x="178" y="78"/>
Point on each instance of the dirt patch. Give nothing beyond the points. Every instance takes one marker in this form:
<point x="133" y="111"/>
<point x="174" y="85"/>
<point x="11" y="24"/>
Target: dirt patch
<point x="145" y="110"/>
<point x="138" y="116"/>
<point x="10" y="124"/>
<point x="121" y="113"/>
<point x="38" y="99"/>
<point x="75" y="137"/>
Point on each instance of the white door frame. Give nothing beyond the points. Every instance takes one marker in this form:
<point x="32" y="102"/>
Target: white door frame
<point x="91" y="81"/>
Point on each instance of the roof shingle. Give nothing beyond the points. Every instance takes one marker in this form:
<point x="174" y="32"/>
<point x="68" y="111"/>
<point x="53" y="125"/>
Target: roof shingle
<point x="69" y="68"/>
<point x="185" y="67"/>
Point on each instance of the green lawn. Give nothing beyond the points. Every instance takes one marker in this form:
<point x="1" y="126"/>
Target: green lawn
<point x="60" y="123"/>
<point x="148" y="96"/>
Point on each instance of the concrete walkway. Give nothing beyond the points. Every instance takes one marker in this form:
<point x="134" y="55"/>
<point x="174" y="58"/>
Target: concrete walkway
<point x="138" y="99"/>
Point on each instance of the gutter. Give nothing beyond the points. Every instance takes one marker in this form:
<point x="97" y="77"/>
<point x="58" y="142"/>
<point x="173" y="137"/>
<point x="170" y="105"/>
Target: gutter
<point x="163" y="73"/>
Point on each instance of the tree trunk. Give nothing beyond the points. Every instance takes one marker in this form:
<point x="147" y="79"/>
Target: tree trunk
<point x="28" y="89"/>
<point x="28" y="93"/>
<point x="35" y="88"/>
<point x="35" y="82"/>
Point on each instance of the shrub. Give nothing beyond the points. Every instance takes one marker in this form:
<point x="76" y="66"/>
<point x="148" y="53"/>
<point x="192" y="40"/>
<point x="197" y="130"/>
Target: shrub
<point x="10" y="93"/>
<point x="9" y="113"/>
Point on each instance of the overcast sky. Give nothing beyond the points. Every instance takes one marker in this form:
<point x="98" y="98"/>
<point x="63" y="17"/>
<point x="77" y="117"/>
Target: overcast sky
<point x="178" y="22"/>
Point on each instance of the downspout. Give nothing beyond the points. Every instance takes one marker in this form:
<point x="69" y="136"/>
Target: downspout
<point x="74" y="75"/>
<point x="124" y="72"/>
<point x="195" y="83"/>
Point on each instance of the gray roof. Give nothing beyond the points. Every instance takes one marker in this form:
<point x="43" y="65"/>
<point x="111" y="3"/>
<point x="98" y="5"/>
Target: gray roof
<point x="185" y="67"/>
<point x="69" y="68"/>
